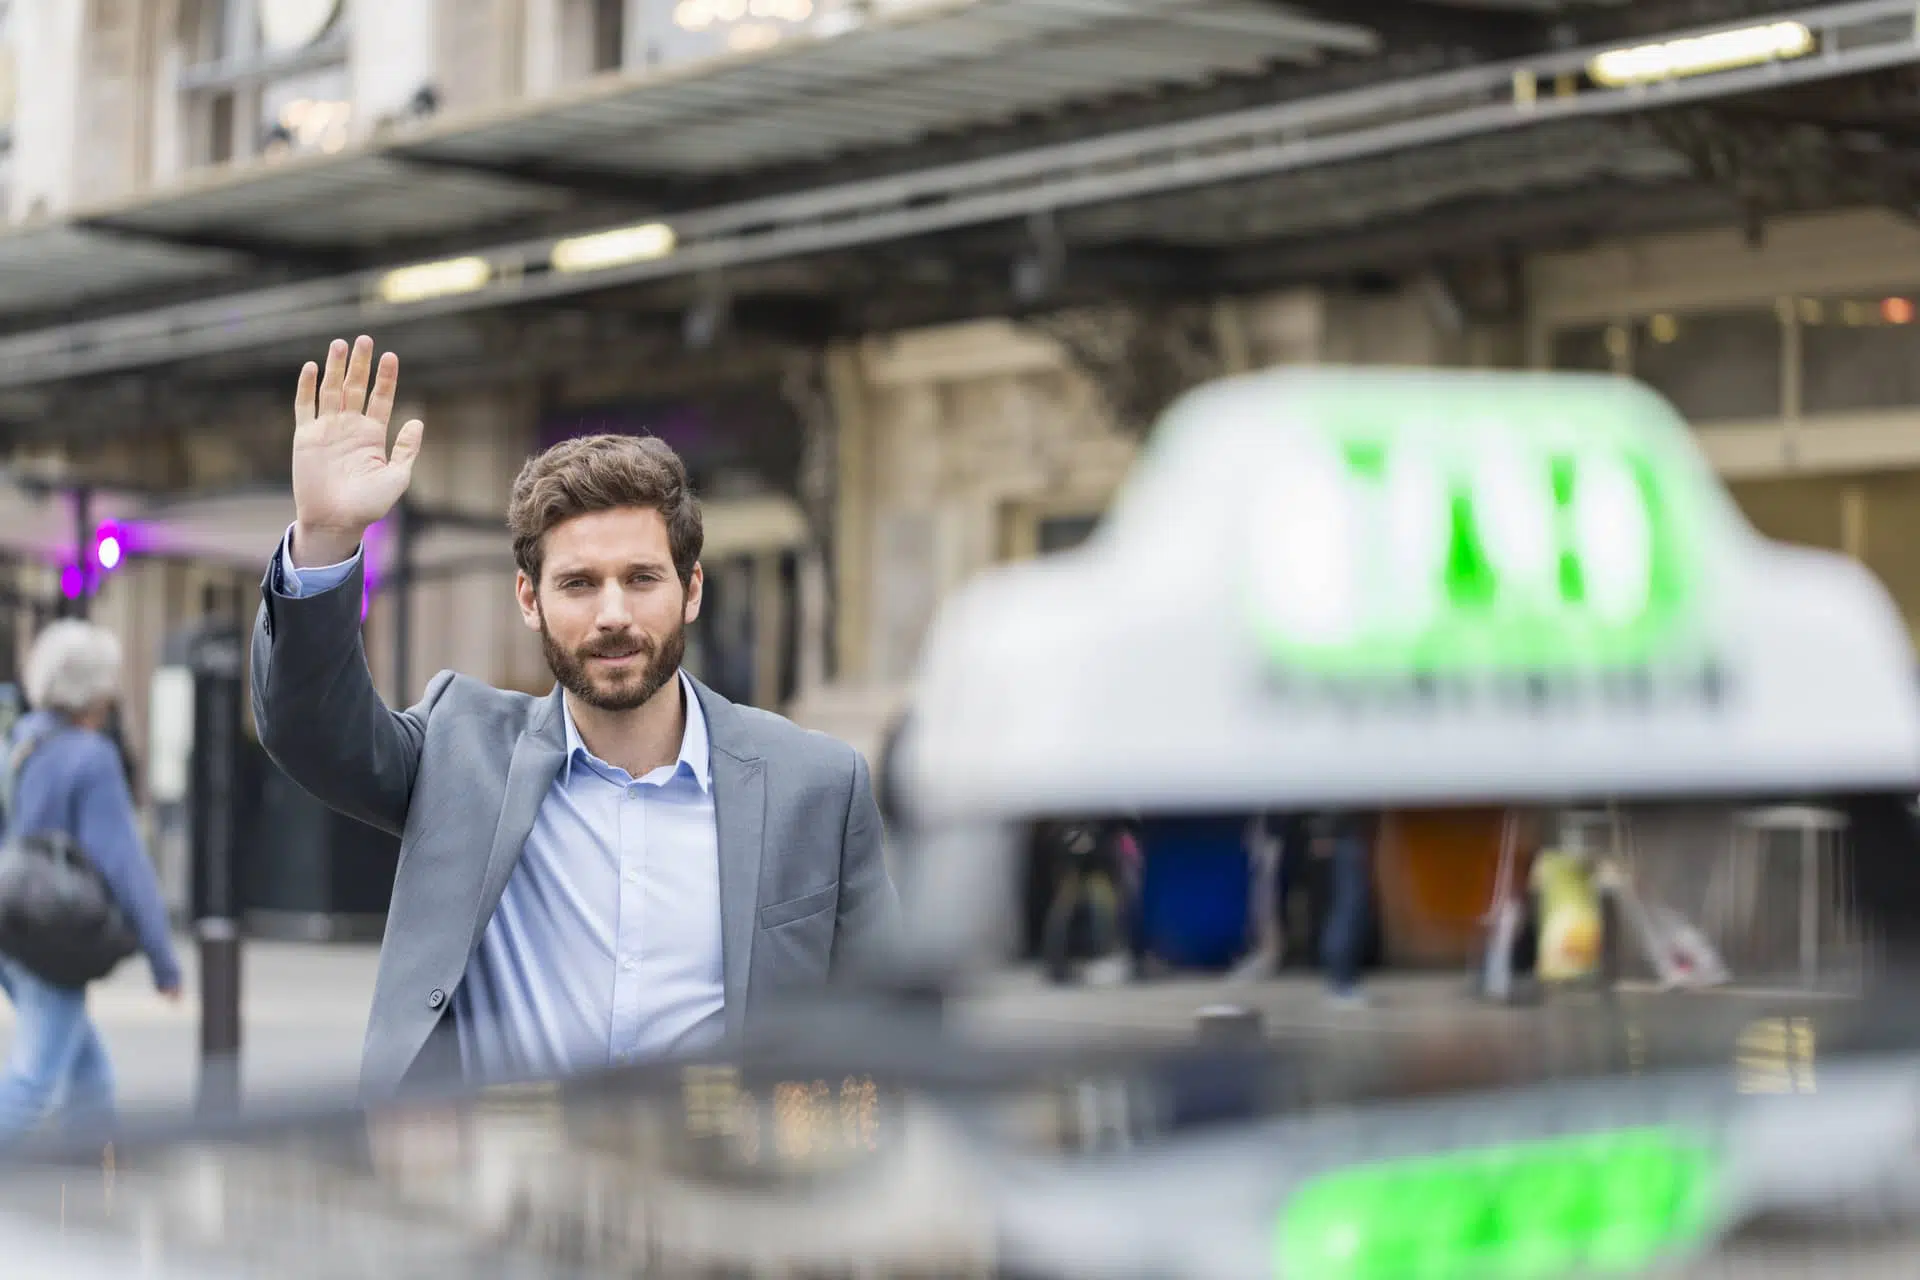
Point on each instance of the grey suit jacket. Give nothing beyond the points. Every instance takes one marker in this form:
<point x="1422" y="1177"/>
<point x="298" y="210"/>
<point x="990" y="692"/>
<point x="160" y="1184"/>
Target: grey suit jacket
<point x="459" y="777"/>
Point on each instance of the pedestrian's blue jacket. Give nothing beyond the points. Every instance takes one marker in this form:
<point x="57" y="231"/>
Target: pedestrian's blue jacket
<point x="73" y="782"/>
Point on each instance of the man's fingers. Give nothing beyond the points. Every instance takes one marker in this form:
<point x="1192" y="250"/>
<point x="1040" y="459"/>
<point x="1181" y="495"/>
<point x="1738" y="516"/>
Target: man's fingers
<point x="406" y="446"/>
<point x="303" y="394"/>
<point x="385" y="379"/>
<point x="359" y="374"/>
<point x="334" y="378"/>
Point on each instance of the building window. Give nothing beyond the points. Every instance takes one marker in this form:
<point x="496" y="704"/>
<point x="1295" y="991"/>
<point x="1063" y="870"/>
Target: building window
<point x="1859" y="353"/>
<point x="609" y="34"/>
<point x="1713" y="366"/>
<point x="1064" y="533"/>
<point x="1029" y="528"/>
<point x="1595" y="348"/>
<point x="267" y="78"/>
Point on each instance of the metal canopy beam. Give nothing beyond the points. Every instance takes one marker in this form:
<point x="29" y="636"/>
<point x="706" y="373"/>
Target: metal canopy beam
<point x="257" y="249"/>
<point x="1420" y="24"/>
<point x="1859" y="37"/>
<point x="623" y="189"/>
<point x="1467" y="228"/>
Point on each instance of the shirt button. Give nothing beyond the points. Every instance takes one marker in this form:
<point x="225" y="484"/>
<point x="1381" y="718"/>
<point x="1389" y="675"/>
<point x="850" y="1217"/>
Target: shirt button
<point x="633" y="877"/>
<point x="627" y="965"/>
<point x="436" y="998"/>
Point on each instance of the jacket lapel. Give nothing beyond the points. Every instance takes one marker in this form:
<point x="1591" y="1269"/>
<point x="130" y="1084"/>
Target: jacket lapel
<point x="537" y="758"/>
<point x="740" y="817"/>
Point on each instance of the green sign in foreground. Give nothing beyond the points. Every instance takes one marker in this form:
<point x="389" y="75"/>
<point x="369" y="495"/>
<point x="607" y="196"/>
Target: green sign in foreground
<point x="1538" y="525"/>
<point x="1602" y="1204"/>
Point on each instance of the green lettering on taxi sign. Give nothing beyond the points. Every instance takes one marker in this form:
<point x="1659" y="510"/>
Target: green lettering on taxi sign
<point x="1529" y="525"/>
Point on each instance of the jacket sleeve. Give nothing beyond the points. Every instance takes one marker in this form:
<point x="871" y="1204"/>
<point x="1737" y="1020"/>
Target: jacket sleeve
<point x="316" y="709"/>
<point x="868" y="922"/>
<point x="105" y="830"/>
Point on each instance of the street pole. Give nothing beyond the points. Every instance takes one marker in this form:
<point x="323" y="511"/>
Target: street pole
<point x="83" y="546"/>
<point x="216" y="663"/>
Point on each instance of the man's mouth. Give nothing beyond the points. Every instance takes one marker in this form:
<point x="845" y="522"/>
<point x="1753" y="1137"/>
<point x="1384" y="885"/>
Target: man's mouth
<point x="617" y="655"/>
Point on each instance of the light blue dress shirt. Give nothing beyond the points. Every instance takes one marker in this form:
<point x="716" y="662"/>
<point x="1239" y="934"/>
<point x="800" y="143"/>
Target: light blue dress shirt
<point x="605" y="947"/>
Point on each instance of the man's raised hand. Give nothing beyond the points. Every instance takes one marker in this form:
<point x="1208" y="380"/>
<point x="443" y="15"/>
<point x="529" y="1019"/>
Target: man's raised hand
<point x="344" y="477"/>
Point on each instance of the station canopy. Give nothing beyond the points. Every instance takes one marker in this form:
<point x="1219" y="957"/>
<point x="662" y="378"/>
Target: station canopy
<point x="1281" y="131"/>
<point x="914" y="71"/>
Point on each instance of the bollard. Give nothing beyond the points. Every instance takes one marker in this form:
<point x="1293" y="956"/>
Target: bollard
<point x="217" y="692"/>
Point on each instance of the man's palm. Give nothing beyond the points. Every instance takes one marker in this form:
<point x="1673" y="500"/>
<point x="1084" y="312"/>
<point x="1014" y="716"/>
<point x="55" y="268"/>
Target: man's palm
<point x="344" y="477"/>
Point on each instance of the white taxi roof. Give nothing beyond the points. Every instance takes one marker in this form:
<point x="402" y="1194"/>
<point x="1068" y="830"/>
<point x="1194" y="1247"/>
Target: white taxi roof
<point x="1373" y="586"/>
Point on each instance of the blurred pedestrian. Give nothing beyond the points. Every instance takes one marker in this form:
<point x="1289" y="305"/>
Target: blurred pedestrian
<point x="67" y="778"/>
<point x="630" y="866"/>
<point x="1346" y="841"/>
<point x="1267" y="848"/>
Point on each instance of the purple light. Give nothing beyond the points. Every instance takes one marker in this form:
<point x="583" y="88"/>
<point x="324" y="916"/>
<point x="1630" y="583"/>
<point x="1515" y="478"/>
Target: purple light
<point x="112" y="544"/>
<point x="71" y="583"/>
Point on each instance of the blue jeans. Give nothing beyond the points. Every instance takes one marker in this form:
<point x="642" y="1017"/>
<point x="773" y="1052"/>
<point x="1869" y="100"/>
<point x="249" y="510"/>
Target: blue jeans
<point x="1343" y="937"/>
<point x="57" y="1063"/>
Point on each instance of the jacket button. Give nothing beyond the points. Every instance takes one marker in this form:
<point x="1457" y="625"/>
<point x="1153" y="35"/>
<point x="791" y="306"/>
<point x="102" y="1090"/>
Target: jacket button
<point x="436" y="998"/>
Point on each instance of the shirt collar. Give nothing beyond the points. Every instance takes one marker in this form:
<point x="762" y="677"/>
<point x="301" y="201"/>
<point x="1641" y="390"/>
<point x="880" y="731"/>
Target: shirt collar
<point x="696" y="755"/>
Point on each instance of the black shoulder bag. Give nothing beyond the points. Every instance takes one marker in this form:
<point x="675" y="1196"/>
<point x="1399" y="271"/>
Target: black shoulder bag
<point x="58" y="916"/>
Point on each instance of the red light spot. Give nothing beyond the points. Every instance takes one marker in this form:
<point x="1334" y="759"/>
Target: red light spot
<point x="1897" y="311"/>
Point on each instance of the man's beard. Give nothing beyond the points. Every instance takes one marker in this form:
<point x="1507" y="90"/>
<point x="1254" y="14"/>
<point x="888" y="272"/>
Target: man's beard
<point x="622" y="690"/>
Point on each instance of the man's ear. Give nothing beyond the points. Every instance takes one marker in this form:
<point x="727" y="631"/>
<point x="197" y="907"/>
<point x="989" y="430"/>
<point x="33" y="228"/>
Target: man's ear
<point x="696" y="583"/>
<point x="528" y="599"/>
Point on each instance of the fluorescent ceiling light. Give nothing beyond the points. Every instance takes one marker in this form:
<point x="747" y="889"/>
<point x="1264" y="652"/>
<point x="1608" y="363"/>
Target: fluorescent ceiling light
<point x="1700" y="55"/>
<point x="435" y="280"/>
<point x="616" y="248"/>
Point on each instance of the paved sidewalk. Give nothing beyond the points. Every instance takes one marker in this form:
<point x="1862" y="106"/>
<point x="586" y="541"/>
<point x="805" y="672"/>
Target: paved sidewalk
<point x="304" y="1010"/>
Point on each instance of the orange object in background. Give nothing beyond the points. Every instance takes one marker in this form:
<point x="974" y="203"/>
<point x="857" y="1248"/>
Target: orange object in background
<point x="1434" y="873"/>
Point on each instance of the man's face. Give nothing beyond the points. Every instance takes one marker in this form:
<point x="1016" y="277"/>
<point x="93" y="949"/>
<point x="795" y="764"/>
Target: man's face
<point x="609" y="607"/>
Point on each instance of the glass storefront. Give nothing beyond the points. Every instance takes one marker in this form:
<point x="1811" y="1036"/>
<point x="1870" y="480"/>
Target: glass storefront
<point x="1858" y="354"/>
<point x="1848" y="353"/>
<point x="1715" y="367"/>
<point x="1822" y="361"/>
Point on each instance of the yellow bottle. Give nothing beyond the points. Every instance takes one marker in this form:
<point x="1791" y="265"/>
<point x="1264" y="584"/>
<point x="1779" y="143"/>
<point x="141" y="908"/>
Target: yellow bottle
<point x="1570" y="920"/>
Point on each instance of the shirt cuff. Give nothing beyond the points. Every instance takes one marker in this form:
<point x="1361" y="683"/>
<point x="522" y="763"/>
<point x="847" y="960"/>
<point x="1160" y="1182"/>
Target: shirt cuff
<point x="314" y="579"/>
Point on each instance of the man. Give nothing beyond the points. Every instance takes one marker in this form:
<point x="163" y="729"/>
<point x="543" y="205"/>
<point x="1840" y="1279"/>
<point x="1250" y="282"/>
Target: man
<point x="629" y="866"/>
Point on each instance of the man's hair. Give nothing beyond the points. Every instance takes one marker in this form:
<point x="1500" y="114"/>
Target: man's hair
<point x="72" y="666"/>
<point x="603" y="473"/>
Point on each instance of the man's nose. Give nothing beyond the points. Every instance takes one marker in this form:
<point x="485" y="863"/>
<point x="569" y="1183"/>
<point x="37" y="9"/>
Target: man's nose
<point x="613" y="614"/>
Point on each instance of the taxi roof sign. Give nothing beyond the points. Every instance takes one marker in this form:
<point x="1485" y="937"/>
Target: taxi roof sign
<point x="1412" y="586"/>
<point x="1542" y="527"/>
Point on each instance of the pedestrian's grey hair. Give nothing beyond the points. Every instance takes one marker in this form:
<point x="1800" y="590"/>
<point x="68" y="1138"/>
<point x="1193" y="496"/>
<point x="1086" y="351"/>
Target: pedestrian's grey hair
<point x="72" y="666"/>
